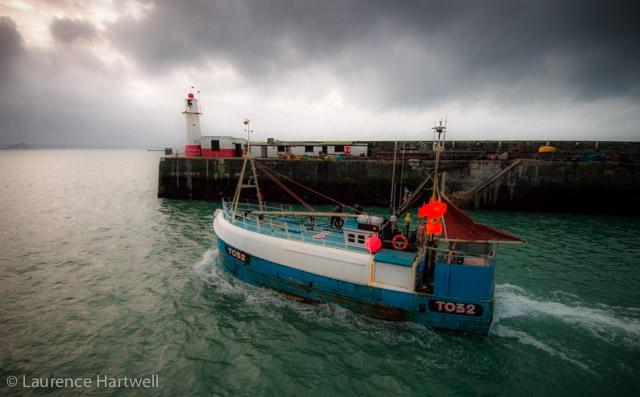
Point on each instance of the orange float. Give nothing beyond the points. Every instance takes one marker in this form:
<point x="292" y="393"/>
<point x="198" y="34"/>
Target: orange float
<point x="434" y="227"/>
<point x="435" y="209"/>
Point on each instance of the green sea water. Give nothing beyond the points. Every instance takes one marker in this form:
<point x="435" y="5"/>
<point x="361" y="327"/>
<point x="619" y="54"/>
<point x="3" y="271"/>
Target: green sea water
<point x="100" y="277"/>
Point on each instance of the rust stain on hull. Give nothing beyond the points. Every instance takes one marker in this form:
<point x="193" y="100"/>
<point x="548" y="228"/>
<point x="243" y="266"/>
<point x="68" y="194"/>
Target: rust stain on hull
<point x="375" y="310"/>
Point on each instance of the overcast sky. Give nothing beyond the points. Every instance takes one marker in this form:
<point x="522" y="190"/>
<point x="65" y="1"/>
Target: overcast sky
<point x="114" y="73"/>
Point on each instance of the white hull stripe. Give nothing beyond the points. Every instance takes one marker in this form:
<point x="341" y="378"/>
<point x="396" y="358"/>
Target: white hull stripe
<point x="330" y="262"/>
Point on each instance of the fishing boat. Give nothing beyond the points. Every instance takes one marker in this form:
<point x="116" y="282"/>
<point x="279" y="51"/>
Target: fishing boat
<point x="438" y="271"/>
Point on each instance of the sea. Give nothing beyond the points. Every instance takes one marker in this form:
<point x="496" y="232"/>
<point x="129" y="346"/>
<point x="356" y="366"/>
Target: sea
<point x="100" y="278"/>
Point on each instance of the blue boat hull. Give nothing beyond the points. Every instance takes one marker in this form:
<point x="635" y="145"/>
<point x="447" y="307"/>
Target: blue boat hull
<point x="369" y="300"/>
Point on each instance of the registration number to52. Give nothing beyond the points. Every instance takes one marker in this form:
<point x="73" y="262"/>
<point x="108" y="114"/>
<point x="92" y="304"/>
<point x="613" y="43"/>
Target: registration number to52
<point x="466" y="309"/>
<point x="238" y="254"/>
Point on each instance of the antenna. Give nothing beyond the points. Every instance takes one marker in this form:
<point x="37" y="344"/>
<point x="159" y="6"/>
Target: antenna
<point x="248" y="130"/>
<point x="439" y="133"/>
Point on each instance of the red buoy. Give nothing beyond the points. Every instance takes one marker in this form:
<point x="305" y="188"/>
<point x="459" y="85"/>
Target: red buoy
<point x="373" y="244"/>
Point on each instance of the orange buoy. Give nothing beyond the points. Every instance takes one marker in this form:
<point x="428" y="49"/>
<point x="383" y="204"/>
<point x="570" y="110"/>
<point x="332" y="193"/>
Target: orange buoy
<point x="434" y="227"/>
<point x="435" y="209"/>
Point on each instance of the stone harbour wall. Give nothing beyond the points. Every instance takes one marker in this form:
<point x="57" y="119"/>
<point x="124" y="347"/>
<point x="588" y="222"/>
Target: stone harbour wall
<point x="531" y="185"/>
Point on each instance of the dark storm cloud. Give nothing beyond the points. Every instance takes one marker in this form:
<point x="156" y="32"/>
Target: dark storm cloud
<point x="65" y="95"/>
<point x="10" y="47"/>
<point x="319" y="68"/>
<point x="405" y="53"/>
<point x="68" y="30"/>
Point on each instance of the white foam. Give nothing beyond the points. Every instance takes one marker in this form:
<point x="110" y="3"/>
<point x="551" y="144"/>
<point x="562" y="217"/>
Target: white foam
<point x="209" y="270"/>
<point x="563" y="294"/>
<point x="212" y="272"/>
<point x="602" y="321"/>
<point x="272" y="303"/>
<point x="202" y="267"/>
<point x="524" y="338"/>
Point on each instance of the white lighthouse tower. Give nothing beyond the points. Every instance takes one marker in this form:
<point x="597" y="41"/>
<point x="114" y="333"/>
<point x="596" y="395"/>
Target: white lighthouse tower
<point x="192" y="117"/>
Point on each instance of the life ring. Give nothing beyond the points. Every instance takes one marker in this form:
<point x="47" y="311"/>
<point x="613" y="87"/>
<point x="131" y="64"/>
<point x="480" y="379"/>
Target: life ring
<point x="337" y="222"/>
<point x="400" y="242"/>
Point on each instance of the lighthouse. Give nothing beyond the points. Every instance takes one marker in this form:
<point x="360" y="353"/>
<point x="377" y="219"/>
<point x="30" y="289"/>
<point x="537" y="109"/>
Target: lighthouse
<point x="192" y="117"/>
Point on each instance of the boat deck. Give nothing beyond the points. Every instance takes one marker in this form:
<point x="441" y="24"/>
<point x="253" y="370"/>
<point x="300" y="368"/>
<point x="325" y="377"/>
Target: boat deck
<point x="318" y="231"/>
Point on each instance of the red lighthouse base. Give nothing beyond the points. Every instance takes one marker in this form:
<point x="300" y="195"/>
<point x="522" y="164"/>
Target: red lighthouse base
<point x="192" y="151"/>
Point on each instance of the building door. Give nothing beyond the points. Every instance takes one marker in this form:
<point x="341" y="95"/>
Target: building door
<point x="238" y="150"/>
<point x="263" y="152"/>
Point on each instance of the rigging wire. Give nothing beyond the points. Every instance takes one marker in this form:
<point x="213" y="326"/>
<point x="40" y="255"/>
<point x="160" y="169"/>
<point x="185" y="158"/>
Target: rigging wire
<point x="416" y="194"/>
<point x="404" y="146"/>
<point x="393" y="179"/>
<point x="264" y="167"/>
<point x="286" y="189"/>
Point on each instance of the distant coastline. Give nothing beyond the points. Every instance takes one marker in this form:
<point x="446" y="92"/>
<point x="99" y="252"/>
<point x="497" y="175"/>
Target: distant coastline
<point x="41" y="146"/>
<point x="20" y="145"/>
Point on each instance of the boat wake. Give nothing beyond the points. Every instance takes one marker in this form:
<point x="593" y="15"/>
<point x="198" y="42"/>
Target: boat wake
<point x="321" y="314"/>
<point x="614" y="325"/>
<point x="525" y="338"/>
<point x="602" y="321"/>
<point x="618" y="326"/>
<point x="209" y="271"/>
<point x="226" y="285"/>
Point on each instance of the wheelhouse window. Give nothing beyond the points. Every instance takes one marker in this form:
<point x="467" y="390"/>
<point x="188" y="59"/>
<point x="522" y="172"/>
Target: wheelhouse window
<point x="308" y="149"/>
<point x="281" y="149"/>
<point x="356" y="238"/>
<point x="215" y="144"/>
<point x="338" y="148"/>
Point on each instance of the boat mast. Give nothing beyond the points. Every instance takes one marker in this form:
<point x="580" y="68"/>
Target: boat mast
<point x="253" y="181"/>
<point x="392" y="199"/>
<point x="439" y="133"/>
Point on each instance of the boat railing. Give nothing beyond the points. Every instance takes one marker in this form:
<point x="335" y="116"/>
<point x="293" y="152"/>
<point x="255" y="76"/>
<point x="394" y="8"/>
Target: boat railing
<point x="279" y="227"/>
<point x="254" y="204"/>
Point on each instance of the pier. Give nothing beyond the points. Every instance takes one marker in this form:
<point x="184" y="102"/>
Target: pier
<point x="564" y="181"/>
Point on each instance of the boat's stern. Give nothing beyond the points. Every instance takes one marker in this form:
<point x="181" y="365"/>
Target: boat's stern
<point x="462" y="297"/>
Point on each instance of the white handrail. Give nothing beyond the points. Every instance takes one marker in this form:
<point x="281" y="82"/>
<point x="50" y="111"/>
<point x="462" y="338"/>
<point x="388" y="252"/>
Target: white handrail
<point x="250" y="222"/>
